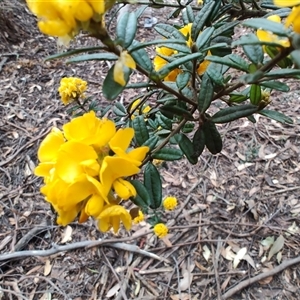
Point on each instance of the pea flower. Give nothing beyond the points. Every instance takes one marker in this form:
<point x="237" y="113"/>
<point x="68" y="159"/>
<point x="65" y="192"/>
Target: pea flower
<point x="159" y="62"/>
<point x="267" y="36"/>
<point x="71" y="88"/>
<point x="84" y="166"/>
<point x="294" y="17"/>
<point x="65" y="18"/>
<point x="170" y="203"/>
<point x="161" y="230"/>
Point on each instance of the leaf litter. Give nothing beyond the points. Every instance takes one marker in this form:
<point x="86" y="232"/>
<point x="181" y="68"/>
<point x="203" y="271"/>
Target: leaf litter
<point x="240" y="198"/>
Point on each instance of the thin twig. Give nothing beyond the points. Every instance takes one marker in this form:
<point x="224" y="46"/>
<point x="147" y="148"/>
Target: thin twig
<point x="84" y="244"/>
<point x="284" y="265"/>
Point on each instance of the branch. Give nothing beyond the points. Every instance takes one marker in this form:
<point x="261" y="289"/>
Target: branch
<point x="247" y="282"/>
<point x="84" y="244"/>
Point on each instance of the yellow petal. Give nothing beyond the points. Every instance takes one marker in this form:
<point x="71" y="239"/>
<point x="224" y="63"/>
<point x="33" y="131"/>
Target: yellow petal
<point x="127" y="60"/>
<point x="286" y="3"/>
<point x="94" y="205"/>
<point x="113" y="168"/>
<point x="121" y="140"/>
<point x="54" y="27"/>
<point x="119" y="73"/>
<point x="50" y="145"/>
<point x="43" y="169"/>
<point x="90" y="130"/>
<point x="71" y="156"/>
<point x="124" y="188"/>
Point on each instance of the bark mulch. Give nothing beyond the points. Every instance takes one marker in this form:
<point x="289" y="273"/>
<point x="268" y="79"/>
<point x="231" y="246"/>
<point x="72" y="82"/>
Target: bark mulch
<point x="234" y="234"/>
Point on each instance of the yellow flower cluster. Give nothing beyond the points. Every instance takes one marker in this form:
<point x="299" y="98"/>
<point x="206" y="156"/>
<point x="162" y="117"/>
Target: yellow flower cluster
<point x="71" y="88"/>
<point x="170" y="203"/>
<point x="64" y="18"/>
<point x="160" y="62"/>
<point x="161" y="230"/>
<point x="84" y="167"/>
<point x="294" y="18"/>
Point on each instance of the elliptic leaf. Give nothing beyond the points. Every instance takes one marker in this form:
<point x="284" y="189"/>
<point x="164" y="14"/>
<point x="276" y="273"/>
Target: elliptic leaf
<point x="213" y="140"/>
<point x="201" y="18"/>
<point x="186" y="147"/>
<point x="142" y="198"/>
<point x="233" y="113"/>
<point x="126" y="29"/>
<point x="277" y="116"/>
<point x="206" y="93"/>
<point x="153" y="184"/>
<point x="168" y="154"/>
<point x="140" y="129"/>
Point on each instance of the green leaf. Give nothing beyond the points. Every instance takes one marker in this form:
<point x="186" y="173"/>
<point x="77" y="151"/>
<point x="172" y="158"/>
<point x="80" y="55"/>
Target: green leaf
<point x="151" y="142"/>
<point x="204" y="37"/>
<point x="215" y="72"/>
<point x="140" y="129"/>
<point x="268" y="25"/>
<point x="164" y="71"/>
<point x="93" y="56"/>
<point x="168" y="154"/>
<point x="201" y="18"/>
<point x="126" y="29"/>
<point x="176" y="110"/>
<point x="73" y="52"/>
<point x="206" y="93"/>
<point x="295" y="55"/>
<point x="198" y="142"/>
<point x="280" y="73"/>
<point x="119" y="109"/>
<point x="182" y="80"/>
<point x="277" y="116"/>
<point x="244" y="40"/>
<point x="276" y="85"/>
<point x="163" y="121"/>
<point x="188" y="15"/>
<point x="153" y="184"/>
<point x="224" y="29"/>
<point x="111" y="89"/>
<point x="255" y="94"/>
<point x="169" y="32"/>
<point x="174" y="44"/>
<point x="233" y="113"/>
<point x="254" y="52"/>
<point x="213" y="140"/>
<point x="238" y="98"/>
<point x="186" y="147"/>
<point x="231" y="60"/>
<point x="188" y="127"/>
<point x="141" y="57"/>
<point x="142" y="198"/>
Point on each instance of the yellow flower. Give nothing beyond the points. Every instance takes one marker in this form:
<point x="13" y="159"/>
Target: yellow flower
<point x="294" y="17"/>
<point x="286" y="3"/>
<point x="139" y="218"/>
<point x="125" y="59"/>
<point x="84" y="167"/>
<point x="111" y="216"/>
<point x="145" y="108"/>
<point x="267" y="36"/>
<point x="170" y="203"/>
<point x="160" y="62"/>
<point x="71" y="88"/>
<point x="65" y="18"/>
<point x="90" y="130"/>
<point x="161" y="230"/>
